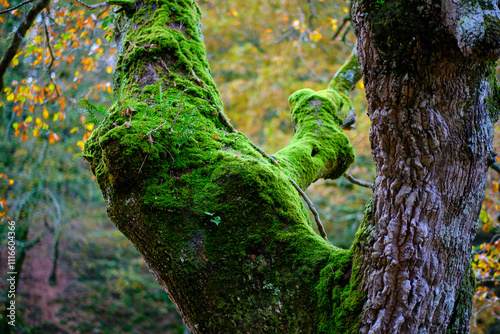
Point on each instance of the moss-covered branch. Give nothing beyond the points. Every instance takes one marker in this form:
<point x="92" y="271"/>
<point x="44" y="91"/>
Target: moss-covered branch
<point x="219" y="224"/>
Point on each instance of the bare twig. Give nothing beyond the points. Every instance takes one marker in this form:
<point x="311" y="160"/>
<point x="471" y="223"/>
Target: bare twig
<point x="102" y="4"/>
<point x="354" y="180"/>
<point x="176" y="116"/>
<point x="301" y="192"/>
<point x="15" y="7"/>
<point x="345" y="21"/>
<point x="495" y="167"/>
<point x="197" y="79"/>
<point x="139" y="172"/>
<point x="149" y="134"/>
<point x="311" y="207"/>
<point x="47" y="38"/>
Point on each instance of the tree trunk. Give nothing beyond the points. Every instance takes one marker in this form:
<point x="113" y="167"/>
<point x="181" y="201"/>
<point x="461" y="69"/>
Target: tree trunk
<point x="433" y="99"/>
<point x="221" y="224"/>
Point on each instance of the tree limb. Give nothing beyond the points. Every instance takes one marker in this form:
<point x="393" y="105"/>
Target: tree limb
<point x="15" y="7"/>
<point x="18" y="38"/>
<point x="102" y="4"/>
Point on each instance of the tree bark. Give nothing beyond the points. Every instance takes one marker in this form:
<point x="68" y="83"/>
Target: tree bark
<point x="433" y="99"/>
<point x="222" y="226"/>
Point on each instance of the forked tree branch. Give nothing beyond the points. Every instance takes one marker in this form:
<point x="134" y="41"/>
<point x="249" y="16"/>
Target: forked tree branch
<point x="19" y="36"/>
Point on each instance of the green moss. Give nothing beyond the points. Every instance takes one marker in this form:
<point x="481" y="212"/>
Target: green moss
<point x="462" y="310"/>
<point x="168" y="163"/>
<point x="399" y="31"/>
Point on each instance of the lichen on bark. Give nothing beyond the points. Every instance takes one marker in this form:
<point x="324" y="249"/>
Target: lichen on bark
<point x="218" y="222"/>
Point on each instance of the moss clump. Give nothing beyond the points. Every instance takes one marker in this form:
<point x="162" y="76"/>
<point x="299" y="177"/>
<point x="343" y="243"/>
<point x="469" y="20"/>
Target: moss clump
<point x="462" y="310"/>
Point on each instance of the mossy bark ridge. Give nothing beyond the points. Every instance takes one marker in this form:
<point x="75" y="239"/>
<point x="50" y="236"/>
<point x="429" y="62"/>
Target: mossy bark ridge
<point x="218" y="222"/>
<point x="433" y="100"/>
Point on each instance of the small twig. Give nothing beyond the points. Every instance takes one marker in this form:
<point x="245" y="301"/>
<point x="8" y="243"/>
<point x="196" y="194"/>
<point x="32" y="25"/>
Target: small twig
<point x="311" y="207"/>
<point x="100" y="5"/>
<point x="149" y="134"/>
<point x="261" y="151"/>
<point x="176" y="116"/>
<point x="197" y="79"/>
<point x="47" y="38"/>
<point x="345" y="20"/>
<point x="139" y="172"/>
<point x="495" y="167"/>
<point x="15" y="7"/>
<point x="354" y="180"/>
<point x="301" y="192"/>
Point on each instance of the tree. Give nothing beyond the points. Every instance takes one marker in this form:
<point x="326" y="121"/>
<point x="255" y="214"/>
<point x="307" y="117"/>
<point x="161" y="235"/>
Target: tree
<point x="220" y="222"/>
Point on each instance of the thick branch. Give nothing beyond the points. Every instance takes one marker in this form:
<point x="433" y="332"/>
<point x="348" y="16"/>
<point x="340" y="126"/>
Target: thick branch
<point x="18" y="38"/>
<point x="319" y="149"/>
<point x="220" y="225"/>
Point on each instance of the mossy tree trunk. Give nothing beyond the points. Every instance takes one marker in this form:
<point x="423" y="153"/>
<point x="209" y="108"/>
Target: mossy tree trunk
<point x="433" y="99"/>
<point x="221" y="224"/>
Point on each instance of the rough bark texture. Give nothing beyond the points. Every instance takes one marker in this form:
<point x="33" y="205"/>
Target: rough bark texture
<point x="223" y="229"/>
<point x="433" y="99"/>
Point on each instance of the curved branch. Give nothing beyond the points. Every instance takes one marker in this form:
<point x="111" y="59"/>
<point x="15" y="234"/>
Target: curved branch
<point x="15" y="7"/>
<point x="354" y="180"/>
<point x="495" y="167"/>
<point x="18" y="38"/>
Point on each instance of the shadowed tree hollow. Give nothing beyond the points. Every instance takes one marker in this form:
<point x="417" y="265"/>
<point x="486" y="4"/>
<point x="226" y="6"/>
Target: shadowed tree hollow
<point x="221" y="224"/>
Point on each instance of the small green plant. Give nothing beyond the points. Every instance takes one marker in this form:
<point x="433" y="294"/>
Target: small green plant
<point x="92" y="112"/>
<point x="379" y="4"/>
<point x="215" y="219"/>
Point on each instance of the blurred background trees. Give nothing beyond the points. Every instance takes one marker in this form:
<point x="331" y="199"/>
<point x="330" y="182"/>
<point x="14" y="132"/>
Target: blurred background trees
<point x="78" y="273"/>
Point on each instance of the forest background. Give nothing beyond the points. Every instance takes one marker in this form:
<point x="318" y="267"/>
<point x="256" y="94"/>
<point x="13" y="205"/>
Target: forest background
<point x="77" y="273"/>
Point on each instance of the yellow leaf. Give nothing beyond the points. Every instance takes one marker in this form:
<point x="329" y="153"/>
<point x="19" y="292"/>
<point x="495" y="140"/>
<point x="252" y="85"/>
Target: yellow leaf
<point x="11" y="182"/>
<point x="495" y="186"/>
<point x="51" y="87"/>
<point x="28" y="119"/>
<point x="15" y="62"/>
<point x="345" y="10"/>
<point x="10" y="97"/>
<point x="109" y="69"/>
<point x="55" y="117"/>
<point x="90" y="127"/>
<point x="45" y="113"/>
<point x="77" y="73"/>
<point x="35" y="132"/>
<point x="99" y="42"/>
<point x="110" y="91"/>
<point x="74" y="130"/>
